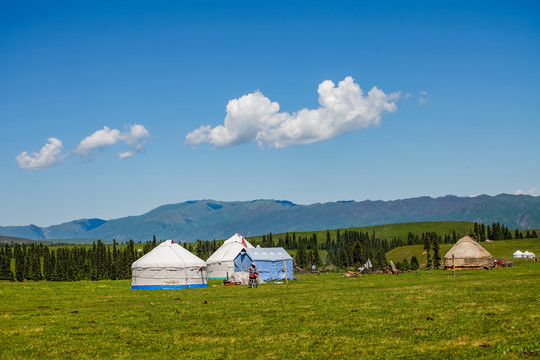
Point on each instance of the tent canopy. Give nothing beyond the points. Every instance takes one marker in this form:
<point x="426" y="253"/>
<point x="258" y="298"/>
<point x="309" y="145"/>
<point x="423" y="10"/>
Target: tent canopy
<point x="221" y="263"/>
<point x="467" y="253"/>
<point x="518" y="254"/>
<point x="271" y="262"/>
<point x="168" y="266"/>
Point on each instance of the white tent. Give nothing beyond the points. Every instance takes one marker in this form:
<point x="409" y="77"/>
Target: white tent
<point x="168" y="266"/>
<point x="518" y="255"/>
<point x="528" y="255"/>
<point x="468" y="254"/>
<point x="221" y="262"/>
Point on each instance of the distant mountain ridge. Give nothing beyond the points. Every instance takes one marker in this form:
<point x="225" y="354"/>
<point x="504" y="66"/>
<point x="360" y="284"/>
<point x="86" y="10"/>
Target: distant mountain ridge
<point x="210" y="219"/>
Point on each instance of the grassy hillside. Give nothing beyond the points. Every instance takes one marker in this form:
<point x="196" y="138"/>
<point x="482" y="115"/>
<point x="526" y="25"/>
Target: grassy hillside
<point x="501" y="248"/>
<point x="389" y="231"/>
<point x="19" y="240"/>
<point x="425" y="314"/>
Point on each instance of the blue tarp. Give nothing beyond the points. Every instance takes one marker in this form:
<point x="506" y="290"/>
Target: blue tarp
<point x="269" y="262"/>
<point x="156" y="287"/>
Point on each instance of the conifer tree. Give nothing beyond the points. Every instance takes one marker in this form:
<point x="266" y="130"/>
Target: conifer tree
<point x="414" y="263"/>
<point x="301" y="256"/>
<point x="316" y="257"/>
<point x="357" y="253"/>
<point x="427" y="247"/>
<point x="380" y="258"/>
<point x="5" y="268"/>
<point x="19" y="262"/>
<point x="436" y="256"/>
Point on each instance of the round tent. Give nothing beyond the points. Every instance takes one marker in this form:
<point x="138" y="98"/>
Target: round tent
<point x="221" y="263"/>
<point x="518" y="254"/>
<point x="168" y="266"/>
<point x="468" y="254"/>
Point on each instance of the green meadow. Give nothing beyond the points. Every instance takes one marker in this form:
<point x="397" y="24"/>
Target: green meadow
<point x="424" y="314"/>
<point x="499" y="249"/>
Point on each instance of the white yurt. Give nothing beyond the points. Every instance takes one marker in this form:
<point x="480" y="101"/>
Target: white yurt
<point x="221" y="263"/>
<point x="168" y="266"/>
<point x="468" y="254"/>
<point x="518" y="254"/>
<point x="528" y="255"/>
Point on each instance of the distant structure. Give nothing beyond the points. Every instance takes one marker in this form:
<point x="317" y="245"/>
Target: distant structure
<point x="168" y="266"/>
<point x="468" y="254"/>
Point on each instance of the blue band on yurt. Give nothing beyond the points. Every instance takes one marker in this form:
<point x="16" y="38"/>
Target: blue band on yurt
<point x="164" y="287"/>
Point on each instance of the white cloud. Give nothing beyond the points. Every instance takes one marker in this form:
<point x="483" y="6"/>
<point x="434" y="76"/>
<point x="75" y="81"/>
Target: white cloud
<point x="422" y="99"/>
<point x="98" y="140"/>
<point x="532" y="191"/>
<point x="254" y="117"/>
<point x="106" y="137"/>
<point x="134" y="137"/>
<point x="49" y="155"/>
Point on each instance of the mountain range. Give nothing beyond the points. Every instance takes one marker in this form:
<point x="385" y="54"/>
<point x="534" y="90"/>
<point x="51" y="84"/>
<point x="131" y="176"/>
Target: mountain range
<point x="210" y="219"/>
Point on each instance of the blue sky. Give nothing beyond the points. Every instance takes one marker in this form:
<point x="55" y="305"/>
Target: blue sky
<point x="98" y="101"/>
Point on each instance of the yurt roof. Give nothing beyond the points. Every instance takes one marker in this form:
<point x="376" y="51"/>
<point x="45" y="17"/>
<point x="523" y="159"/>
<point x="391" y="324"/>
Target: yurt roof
<point x="229" y="249"/>
<point x="518" y="253"/>
<point x="268" y="254"/>
<point x="237" y="238"/>
<point x="169" y="254"/>
<point x="467" y="248"/>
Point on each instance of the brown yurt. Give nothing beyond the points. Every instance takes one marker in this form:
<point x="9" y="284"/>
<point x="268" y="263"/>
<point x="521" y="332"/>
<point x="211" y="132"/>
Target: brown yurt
<point x="468" y="254"/>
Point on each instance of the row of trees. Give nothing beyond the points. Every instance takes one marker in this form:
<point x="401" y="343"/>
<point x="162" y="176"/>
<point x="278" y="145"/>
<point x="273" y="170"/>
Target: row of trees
<point x="100" y="262"/>
<point x="349" y="248"/>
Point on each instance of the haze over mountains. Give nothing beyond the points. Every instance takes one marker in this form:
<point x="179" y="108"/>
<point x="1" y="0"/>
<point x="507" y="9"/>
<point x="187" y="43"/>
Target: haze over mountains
<point x="210" y="219"/>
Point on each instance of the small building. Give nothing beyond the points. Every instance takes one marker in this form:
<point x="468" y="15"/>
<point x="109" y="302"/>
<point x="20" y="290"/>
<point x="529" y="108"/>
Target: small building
<point x="272" y="263"/>
<point x="518" y="254"/>
<point x="168" y="266"/>
<point x="468" y="254"/>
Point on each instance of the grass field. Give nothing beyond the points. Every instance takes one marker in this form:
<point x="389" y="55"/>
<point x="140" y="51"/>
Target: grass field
<point x="426" y="314"/>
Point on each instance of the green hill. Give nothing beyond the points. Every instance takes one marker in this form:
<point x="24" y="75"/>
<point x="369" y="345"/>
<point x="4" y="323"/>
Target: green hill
<point x="387" y="231"/>
<point x="500" y="248"/>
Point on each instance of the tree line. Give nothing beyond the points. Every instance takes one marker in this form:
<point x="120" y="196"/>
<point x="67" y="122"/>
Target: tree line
<point x="41" y="262"/>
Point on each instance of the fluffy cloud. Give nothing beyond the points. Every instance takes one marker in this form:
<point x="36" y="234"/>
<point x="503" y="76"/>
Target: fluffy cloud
<point x="532" y="191"/>
<point x="98" y="140"/>
<point x="49" y="155"/>
<point x="254" y="117"/>
<point x="134" y="137"/>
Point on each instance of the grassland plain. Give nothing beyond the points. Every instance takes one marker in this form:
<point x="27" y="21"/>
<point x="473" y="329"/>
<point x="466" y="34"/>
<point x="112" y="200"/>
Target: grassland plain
<point x="425" y="314"/>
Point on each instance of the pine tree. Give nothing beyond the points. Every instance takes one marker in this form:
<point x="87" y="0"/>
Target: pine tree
<point x="427" y="247"/>
<point x="5" y="268"/>
<point x="316" y="257"/>
<point x="301" y="257"/>
<point x="414" y="263"/>
<point x="380" y="258"/>
<point x="357" y="253"/>
<point x="19" y="262"/>
<point x="436" y="256"/>
<point x="405" y="265"/>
